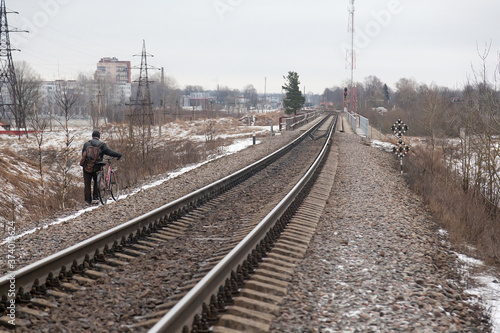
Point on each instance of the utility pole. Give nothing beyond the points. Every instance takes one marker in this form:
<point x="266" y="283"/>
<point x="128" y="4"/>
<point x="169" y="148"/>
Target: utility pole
<point x="161" y="110"/>
<point x="265" y="97"/>
<point x="92" y="116"/>
<point x="98" y="109"/>
<point x="281" y="98"/>
<point x="305" y="101"/>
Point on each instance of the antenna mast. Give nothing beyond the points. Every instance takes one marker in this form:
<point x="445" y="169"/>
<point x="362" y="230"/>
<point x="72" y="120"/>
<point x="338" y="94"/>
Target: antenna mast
<point x="351" y="62"/>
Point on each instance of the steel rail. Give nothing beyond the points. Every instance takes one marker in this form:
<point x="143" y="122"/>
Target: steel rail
<point x="182" y="314"/>
<point x="40" y="270"/>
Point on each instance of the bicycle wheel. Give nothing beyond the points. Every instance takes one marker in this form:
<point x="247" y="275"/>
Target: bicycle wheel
<point x="101" y="183"/>
<point x="114" y="186"/>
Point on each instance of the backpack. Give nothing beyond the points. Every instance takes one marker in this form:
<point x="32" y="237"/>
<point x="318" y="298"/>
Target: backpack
<point x="92" y="155"/>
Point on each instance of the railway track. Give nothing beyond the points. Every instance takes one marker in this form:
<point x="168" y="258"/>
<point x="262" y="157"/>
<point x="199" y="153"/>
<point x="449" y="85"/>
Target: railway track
<point x="242" y="292"/>
<point x="105" y="256"/>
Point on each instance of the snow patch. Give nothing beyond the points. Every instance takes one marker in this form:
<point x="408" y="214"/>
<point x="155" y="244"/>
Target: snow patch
<point x="468" y="260"/>
<point x="443" y="232"/>
<point x="231" y="149"/>
<point x="386" y="146"/>
<point x="488" y="291"/>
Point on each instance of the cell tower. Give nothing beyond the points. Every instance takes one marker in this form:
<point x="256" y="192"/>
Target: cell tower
<point x="351" y="62"/>
<point x="143" y="112"/>
<point x="8" y="81"/>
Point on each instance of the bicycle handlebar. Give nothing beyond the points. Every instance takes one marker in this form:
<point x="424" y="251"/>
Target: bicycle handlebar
<point x="111" y="158"/>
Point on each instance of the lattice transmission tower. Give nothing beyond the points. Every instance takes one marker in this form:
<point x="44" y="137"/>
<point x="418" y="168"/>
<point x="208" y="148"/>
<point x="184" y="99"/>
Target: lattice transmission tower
<point x="351" y="62"/>
<point x="8" y="81"/>
<point x="142" y="113"/>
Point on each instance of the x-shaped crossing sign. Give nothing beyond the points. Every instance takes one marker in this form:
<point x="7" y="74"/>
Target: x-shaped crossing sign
<point x="399" y="128"/>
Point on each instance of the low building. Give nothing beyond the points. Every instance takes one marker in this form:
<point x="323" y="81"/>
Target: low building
<point x="198" y="100"/>
<point x="50" y="91"/>
<point x="4" y="125"/>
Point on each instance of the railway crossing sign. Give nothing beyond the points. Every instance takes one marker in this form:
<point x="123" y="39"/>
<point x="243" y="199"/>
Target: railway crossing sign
<point x="401" y="149"/>
<point x="399" y="128"/>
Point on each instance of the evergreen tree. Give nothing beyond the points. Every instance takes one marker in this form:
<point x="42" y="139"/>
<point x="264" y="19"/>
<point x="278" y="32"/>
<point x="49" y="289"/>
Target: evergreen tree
<point x="293" y="100"/>
<point x="386" y="93"/>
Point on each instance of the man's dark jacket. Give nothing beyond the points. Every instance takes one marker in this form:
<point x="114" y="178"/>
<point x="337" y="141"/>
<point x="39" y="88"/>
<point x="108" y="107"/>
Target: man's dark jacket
<point x="105" y="150"/>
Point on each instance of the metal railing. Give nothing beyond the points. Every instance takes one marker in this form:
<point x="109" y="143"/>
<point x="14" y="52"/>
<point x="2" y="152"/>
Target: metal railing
<point x="291" y="123"/>
<point x="352" y="121"/>
<point x="358" y="121"/>
<point x="364" y="124"/>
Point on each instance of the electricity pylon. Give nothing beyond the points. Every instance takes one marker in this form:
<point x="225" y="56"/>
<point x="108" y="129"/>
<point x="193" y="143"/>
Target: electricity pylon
<point x="8" y="81"/>
<point x="143" y="113"/>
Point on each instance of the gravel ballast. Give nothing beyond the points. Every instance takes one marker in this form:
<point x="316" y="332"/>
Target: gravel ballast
<point x="49" y="240"/>
<point x="377" y="262"/>
<point x="150" y="282"/>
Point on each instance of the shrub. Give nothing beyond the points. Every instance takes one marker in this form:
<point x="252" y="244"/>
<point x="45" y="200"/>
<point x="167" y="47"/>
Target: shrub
<point x="465" y="215"/>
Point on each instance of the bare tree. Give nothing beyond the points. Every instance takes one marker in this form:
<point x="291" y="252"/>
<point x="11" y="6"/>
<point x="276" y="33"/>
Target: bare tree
<point x="227" y="96"/>
<point x="66" y="99"/>
<point x="210" y="130"/>
<point x="28" y="93"/>
<point x="481" y="128"/>
<point x="374" y="91"/>
<point x="88" y="91"/>
<point x="406" y="95"/>
<point x="39" y="123"/>
<point x="251" y="96"/>
<point x="434" y="113"/>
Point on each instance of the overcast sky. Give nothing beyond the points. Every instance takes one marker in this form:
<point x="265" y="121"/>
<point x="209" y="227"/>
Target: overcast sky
<point x="239" y="42"/>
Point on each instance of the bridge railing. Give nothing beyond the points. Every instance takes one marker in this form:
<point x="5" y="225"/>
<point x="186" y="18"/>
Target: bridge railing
<point x="358" y="121"/>
<point x="291" y="123"/>
<point x="352" y="121"/>
<point x="364" y="124"/>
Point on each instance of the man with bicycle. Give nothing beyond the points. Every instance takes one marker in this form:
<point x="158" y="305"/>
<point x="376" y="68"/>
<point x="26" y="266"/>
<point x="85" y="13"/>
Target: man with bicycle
<point x="90" y="167"/>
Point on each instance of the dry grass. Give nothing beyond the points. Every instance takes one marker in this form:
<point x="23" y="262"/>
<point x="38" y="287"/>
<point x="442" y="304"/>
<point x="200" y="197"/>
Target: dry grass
<point x="23" y="199"/>
<point x="464" y="215"/>
<point x="142" y="159"/>
<point x="30" y="204"/>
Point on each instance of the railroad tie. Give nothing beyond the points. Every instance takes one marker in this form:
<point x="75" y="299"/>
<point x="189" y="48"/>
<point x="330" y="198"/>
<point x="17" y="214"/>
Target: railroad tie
<point x="257" y="303"/>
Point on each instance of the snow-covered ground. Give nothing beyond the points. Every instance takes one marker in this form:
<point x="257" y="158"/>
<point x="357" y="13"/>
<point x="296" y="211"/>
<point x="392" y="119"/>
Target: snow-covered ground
<point x="231" y="149"/>
<point x="20" y="179"/>
<point x="484" y="285"/>
<point x="386" y="146"/>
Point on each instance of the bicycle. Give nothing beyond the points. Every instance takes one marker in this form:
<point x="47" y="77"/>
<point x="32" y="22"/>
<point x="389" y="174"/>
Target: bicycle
<point x="107" y="181"/>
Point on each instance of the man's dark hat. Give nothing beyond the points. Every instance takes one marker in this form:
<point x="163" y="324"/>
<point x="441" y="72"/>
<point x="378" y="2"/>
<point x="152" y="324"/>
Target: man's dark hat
<point x="96" y="134"/>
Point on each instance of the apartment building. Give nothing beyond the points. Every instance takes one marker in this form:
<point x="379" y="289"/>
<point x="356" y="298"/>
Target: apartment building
<point x="113" y="70"/>
<point x="117" y="73"/>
